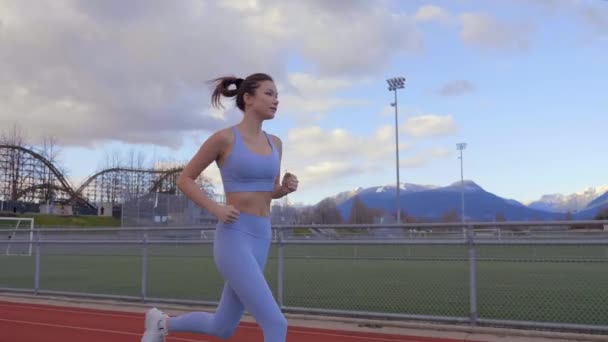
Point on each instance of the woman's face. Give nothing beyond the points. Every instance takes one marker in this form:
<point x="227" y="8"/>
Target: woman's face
<point x="265" y="102"/>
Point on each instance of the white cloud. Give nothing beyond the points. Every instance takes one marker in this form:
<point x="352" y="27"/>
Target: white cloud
<point x="324" y="172"/>
<point x="385" y="133"/>
<point x="425" y="157"/>
<point x="135" y="71"/>
<point x="316" y="86"/>
<point x="382" y="146"/>
<point x="387" y="111"/>
<point x="319" y="155"/>
<point x="592" y="13"/>
<point x="414" y="162"/>
<point x="241" y="5"/>
<point x="433" y="13"/>
<point x="430" y="125"/>
<point x="440" y="152"/>
<point x="349" y="37"/>
<point x="319" y="30"/>
<point x="485" y="31"/>
<point x="315" y="142"/>
<point x="596" y="17"/>
<point x="307" y="98"/>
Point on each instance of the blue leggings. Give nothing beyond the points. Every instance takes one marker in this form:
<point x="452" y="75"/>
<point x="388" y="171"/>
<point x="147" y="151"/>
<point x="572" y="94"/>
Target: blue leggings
<point x="240" y="250"/>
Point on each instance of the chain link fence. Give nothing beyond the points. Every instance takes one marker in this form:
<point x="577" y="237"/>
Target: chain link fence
<point x="533" y="275"/>
<point x="159" y="209"/>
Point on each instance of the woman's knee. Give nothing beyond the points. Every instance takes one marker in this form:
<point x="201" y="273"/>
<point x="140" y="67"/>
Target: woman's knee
<point x="277" y="323"/>
<point x="225" y="331"/>
<point x="282" y="323"/>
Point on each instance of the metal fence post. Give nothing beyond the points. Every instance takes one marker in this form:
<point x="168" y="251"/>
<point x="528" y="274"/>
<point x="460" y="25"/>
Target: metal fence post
<point x="280" y="269"/>
<point x="472" y="275"/>
<point x="37" y="271"/>
<point x="144" y="267"/>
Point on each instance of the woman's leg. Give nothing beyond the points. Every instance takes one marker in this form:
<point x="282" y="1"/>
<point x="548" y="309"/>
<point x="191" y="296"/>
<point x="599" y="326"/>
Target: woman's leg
<point x="222" y="323"/>
<point x="243" y="270"/>
<point x="240" y="257"/>
<point x="230" y="310"/>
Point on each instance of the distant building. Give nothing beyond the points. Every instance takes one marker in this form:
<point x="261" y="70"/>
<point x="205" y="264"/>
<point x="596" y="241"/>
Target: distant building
<point x="104" y="209"/>
<point x="56" y="209"/>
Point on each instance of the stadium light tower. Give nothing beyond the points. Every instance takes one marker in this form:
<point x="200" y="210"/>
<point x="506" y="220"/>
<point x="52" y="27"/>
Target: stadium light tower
<point x="460" y="147"/>
<point x="394" y="84"/>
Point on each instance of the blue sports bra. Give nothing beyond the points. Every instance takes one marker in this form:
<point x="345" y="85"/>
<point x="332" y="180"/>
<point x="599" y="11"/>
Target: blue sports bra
<point x="244" y="170"/>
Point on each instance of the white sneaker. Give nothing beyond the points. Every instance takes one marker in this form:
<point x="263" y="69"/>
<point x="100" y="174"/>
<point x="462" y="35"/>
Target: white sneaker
<point x="156" y="329"/>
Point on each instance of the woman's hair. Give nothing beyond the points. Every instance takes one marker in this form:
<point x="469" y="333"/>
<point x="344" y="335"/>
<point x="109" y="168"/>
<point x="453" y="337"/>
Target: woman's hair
<point x="243" y="86"/>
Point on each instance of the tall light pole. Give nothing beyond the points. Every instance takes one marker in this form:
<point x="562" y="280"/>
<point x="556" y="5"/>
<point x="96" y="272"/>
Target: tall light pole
<point x="394" y="84"/>
<point x="460" y="147"/>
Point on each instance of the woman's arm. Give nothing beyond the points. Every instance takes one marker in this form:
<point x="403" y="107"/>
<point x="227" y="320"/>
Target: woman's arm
<point x="208" y="153"/>
<point x="280" y="188"/>
<point x="278" y="191"/>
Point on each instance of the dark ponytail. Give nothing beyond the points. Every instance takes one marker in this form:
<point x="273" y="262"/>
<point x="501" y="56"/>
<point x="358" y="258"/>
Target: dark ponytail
<point x="242" y="87"/>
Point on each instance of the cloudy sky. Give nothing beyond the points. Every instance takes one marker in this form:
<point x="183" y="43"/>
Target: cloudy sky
<point x="523" y="82"/>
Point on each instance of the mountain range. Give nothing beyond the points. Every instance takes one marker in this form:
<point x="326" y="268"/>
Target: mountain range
<point x="568" y="203"/>
<point x="432" y="202"/>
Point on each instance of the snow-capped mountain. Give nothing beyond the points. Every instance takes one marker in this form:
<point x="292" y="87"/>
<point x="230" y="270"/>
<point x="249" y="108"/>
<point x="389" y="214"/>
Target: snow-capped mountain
<point x="345" y="195"/>
<point x="572" y="202"/>
<point x="385" y="189"/>
<point x="432" y="202"/>
<point x="600" y="201"/>
<point x="467" y="185"/>
<point x="403" y="187"/>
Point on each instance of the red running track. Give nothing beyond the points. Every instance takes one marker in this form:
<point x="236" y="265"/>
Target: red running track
<point x="41" y="323"/>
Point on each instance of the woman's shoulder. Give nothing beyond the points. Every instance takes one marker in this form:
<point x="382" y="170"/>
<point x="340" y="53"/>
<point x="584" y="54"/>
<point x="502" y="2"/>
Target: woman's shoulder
<point x="223" y="136"/>
<point x="275" y="139"/>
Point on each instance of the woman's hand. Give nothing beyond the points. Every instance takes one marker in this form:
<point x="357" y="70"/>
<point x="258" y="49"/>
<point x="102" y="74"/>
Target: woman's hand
<point x="290" y="182"/>
<point x="227" y="213"/>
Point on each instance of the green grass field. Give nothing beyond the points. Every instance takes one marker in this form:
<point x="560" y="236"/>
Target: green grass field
<point x="44" y="220"/>
<point x="564" y="284"/>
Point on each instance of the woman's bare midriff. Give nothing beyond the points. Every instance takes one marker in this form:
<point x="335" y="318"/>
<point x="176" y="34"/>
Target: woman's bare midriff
<point x="254" y="203"/>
